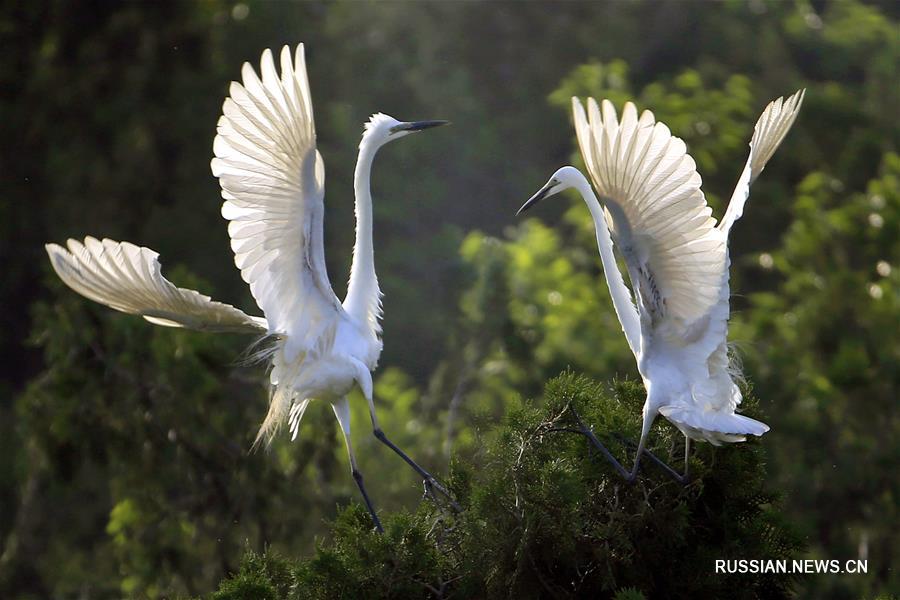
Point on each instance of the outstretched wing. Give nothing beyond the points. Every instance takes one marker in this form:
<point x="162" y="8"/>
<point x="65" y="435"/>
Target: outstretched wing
<point x="128" y="278"/>
<point x="657" y="214"/>
<point x="770" y="130"/>
<point x="273" y="182"/>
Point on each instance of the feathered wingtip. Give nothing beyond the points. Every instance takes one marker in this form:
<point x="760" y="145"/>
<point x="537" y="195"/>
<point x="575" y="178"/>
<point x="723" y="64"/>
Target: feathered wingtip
<point x="772" y="127"/>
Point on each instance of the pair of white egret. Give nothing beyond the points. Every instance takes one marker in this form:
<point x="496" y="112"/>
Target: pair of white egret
<point x="272" y="179"/>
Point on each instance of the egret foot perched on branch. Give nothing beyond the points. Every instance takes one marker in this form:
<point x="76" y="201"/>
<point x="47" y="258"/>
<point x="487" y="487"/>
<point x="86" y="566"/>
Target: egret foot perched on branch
<point x="429" y="482"/>
<point x="586" y="432"/>
<point x="629" y="476"/>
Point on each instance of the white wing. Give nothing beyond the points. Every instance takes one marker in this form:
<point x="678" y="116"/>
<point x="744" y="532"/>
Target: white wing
<point x="128" y="278"/>
<point x="272" y="181"/>
<point x="657" y="214"/>
<point x="770" y="130"/>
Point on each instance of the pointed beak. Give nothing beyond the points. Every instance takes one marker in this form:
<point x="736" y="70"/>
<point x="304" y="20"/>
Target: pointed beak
<point x="417" y="125"/>
<point x="542" y="193"/>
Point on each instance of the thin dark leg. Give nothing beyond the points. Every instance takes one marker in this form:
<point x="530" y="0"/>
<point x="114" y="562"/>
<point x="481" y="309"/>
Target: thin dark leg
<point x="342" y="412"/>
<point x="358" y="478"/>
<point x="430" y="481"/>
<point x="662" y="465"/>
<point x="683" y="479"/>
<point x="585" y="430"/>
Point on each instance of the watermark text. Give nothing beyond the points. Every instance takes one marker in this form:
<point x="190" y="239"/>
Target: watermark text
<point x="755" y="566"/>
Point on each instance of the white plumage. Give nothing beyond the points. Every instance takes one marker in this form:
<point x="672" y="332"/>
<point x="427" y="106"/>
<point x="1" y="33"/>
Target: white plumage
<point x="128" y="278"/>
<point x="273" y="184"/>
<point x="655" y="210"/>
<point x="675" y="317"/>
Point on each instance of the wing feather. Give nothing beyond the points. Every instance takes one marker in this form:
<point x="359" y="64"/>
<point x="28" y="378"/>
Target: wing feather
<point x="129" y="279"/>
<point x="770" y="130"/>
<point x="273" y="186"/>
<point x="656" y="211"/>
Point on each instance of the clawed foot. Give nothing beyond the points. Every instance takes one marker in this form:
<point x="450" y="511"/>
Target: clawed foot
<point x="431" y="485"/>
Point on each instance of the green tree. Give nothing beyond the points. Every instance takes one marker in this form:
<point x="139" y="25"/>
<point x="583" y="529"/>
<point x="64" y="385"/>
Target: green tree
<point x="825" y="353"/>
<point x="544" y="516"/>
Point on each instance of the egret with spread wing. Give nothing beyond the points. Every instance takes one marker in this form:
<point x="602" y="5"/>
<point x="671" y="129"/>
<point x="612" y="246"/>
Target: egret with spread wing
<point x="675" y="317"/>
<point x="273" y="183"/>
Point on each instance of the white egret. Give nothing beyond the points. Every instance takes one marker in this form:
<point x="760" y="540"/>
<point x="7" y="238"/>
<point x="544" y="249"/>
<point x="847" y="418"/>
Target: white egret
<point x="677" y="260"/>
<point x="272" y="180"/>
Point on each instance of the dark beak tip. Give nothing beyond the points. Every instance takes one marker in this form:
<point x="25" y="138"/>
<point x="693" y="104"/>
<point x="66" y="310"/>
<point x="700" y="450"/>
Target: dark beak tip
<point x="533" y="200"/>
<point x="436" y="123"/>
<point x="421" y="125"/>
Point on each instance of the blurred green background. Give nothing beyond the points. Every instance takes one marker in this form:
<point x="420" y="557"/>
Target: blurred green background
<point x="125" y="465"/>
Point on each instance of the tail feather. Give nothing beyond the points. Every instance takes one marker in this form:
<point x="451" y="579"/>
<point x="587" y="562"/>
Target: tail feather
<point x="286" y="404"/>
<point x="278" y="411"/>
<point x="715" y="427"/>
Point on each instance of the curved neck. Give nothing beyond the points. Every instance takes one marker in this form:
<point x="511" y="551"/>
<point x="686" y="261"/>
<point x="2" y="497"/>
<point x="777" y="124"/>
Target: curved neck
<point x="363" y="299"/>
<point x="621" y="295"/>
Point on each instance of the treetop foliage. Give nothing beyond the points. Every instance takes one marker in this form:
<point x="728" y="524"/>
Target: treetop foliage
<point x="548" y="517"/>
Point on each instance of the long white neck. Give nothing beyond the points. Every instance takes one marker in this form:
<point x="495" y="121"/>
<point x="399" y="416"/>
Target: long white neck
<point x="363" y="301"/>
<point x="621" y="295"/>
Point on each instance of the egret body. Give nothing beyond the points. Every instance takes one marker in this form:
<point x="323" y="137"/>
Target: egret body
<point x="273" y="183"/>
<point x="675" y="316"/>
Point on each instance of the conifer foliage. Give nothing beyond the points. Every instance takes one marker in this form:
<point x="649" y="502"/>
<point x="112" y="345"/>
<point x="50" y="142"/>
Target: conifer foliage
<point x="546" y="516"/>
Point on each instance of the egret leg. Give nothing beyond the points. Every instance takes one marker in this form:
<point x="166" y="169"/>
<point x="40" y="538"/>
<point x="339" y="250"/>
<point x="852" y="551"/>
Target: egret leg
<point x="640" y="449"/>
<point x="683" y="478"/>
<point x="358" y="478"/>
<point x="429" y="481"/>
<point x="586" y="431"/>
<point x="342" y="412"/>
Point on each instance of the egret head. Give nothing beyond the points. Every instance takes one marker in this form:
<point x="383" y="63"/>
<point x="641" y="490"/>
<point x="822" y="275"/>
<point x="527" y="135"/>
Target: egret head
<point x="382" y="128"/>
<point x="563" y="179"/>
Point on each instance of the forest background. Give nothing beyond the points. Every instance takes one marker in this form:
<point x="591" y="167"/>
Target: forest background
<point x="125" y="463"/>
